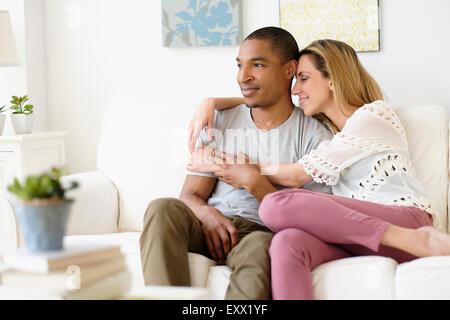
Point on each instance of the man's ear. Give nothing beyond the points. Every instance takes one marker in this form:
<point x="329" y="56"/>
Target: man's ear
<point x="291" y="69"/>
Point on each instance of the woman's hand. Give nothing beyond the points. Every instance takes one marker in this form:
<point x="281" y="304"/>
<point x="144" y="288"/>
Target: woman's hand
<point x="206" y="159"/>
<point x="204" y="116"/>
<point x="227" y="158"/>
<point x="203" y="160"/>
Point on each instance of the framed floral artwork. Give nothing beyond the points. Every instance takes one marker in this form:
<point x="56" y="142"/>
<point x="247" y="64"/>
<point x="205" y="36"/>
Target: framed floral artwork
<point x="191" y="23"/>
<point x="352" y="21"/>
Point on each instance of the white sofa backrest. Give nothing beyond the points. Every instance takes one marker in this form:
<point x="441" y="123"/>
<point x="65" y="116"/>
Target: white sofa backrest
<point x="427" y="133"/>
<point x="143" y="151"/>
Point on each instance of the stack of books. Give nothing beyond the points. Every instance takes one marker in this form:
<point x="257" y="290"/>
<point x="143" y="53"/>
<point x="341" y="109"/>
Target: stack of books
<point x="96" y="272"/>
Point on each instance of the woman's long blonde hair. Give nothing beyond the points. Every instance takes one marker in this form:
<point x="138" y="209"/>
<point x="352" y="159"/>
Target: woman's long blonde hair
<point x="353" y="85"/>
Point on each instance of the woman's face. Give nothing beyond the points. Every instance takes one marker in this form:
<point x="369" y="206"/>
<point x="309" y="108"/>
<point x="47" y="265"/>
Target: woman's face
<point x="313" y="89"/>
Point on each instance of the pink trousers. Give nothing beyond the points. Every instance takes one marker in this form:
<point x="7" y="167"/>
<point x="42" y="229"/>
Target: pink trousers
<point x="313" y="228"/>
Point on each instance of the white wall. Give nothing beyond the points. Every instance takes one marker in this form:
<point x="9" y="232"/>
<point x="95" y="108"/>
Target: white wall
<point x="413" y="66"/>
<point x="30" y="77"/>
<point x="36" y="63"/>
<point x="101" y="51"/>
<point x="13" y="79"/>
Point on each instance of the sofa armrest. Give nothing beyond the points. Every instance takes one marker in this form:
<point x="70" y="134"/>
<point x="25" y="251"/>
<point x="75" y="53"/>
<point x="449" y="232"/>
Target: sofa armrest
<point x="96" y="206"/>
<point x="9" y="233"/>
<point x="95" y="210"/>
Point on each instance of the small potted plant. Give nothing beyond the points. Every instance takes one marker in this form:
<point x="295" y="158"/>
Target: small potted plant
<point x="22" y="116"/>
<point x="2" y="118"/>
<point x="43" y="211"/>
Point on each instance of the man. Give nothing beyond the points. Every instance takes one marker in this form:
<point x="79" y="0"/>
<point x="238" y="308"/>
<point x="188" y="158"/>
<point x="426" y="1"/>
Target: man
<point x="213" y="217"/>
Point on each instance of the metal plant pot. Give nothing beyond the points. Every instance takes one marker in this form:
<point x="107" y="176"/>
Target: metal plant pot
<point x="43" y="224"/>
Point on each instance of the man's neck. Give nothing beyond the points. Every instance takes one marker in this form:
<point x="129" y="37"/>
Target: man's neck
<point x="270" y="117"/>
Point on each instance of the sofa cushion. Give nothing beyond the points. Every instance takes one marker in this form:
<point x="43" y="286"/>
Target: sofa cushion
<point x="217" y="281"/>
<point x="424" y="278"/>
<point x="369" y="277"/>
<point x="355" y="278"/>
<point x="9" y="232"/>
<point x="427" y="134"/>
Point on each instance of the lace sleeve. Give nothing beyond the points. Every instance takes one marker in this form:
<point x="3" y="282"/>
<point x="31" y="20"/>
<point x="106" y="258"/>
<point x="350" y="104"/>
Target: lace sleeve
<point x="371" y="129"/>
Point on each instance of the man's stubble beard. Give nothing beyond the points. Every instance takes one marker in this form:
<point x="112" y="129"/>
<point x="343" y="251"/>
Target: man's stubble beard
<point x="254" y="105"/>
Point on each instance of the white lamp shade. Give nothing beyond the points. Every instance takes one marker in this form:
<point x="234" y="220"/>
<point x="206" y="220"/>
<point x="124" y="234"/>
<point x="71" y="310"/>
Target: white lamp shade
<point x="8" y="48"/>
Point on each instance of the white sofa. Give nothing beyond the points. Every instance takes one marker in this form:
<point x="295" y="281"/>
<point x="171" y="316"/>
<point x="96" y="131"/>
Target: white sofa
<point x="137" y="163"/>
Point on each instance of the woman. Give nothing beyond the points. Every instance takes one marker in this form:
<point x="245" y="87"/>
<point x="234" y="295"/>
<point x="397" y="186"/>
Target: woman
<point x="377" y="207"/>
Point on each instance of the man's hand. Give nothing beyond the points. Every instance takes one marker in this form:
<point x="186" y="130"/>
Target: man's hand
<point x="240" y="176"/>
<point x="236" y="170"/>
<point x="219" y="232"/>
<point x="243" y="175"/>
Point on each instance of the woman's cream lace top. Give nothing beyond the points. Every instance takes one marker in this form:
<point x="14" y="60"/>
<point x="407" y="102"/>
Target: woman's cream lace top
<point x="369" y="160"/>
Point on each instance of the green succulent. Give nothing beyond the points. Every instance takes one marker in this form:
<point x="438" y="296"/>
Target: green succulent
<point x="44" y="186"/>
<point x="19" y="107"/>
<point x="2" y="109"/>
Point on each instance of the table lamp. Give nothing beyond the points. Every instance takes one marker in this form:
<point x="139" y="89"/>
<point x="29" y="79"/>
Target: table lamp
<point x="8" y="49"/>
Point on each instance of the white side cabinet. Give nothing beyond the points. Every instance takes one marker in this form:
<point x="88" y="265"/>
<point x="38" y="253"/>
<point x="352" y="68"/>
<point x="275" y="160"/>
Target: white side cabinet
<point x="25" y="154"/>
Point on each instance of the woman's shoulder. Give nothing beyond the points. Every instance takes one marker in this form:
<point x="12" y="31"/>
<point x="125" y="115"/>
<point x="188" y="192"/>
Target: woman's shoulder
<point x="379" y="110"/>
<point x="373" y="117"/>
<point x="378" y="107"/>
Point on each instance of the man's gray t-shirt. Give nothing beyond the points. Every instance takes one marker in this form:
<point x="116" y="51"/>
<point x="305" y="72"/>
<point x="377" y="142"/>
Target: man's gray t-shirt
<point x="234" y="131"/>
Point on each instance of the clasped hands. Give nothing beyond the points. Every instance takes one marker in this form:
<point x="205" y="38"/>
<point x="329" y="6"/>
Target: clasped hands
<point x="236" y="170"/>
<point x="219" y="232"/>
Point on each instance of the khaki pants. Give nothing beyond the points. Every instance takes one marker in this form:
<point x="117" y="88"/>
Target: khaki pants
<point x="171" y="230"/>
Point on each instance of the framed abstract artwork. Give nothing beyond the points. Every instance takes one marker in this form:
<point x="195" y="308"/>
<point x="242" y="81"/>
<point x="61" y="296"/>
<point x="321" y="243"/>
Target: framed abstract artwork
<point x="191" y="23"/>
<point x="352" y="21"/>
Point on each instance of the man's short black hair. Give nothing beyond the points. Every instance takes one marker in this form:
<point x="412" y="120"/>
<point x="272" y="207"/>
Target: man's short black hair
<point x="281" y="41"/>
